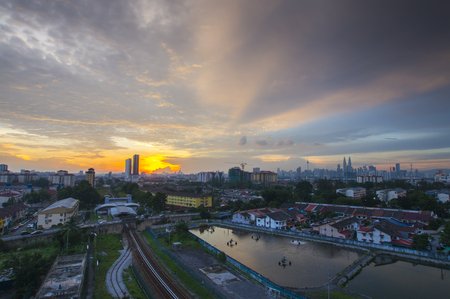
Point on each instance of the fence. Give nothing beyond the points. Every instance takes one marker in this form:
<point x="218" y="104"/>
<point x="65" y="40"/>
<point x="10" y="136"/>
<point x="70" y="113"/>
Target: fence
<point x="142" y="283"/>
<point x="201" y="281"/>
<point x="299" y="234"/>
<point x="258" y="277"/>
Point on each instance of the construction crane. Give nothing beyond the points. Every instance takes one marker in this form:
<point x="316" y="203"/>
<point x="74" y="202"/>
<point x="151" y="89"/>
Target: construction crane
<point x="242" y="164"/>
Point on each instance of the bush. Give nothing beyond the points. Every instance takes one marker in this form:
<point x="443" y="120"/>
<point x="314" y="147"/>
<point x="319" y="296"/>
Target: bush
<point x="221" y="257"/>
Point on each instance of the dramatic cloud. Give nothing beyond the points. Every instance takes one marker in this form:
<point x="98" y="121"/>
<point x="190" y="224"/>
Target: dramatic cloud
<point x="90" y="83"/>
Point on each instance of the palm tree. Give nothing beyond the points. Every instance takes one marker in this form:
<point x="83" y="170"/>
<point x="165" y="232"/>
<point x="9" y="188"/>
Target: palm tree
<point x="71" y="225"/>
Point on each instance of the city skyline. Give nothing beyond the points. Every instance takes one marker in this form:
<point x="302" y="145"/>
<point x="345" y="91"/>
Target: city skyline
<point x="197" y="84"/>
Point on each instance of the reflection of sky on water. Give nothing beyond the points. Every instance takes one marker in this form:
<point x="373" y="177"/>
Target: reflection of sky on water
<point x="402" y="280"/>
<point x="310" y="262"/>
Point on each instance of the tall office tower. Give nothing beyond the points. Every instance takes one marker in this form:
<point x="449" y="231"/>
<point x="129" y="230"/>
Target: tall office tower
<point x="345" y="166"/>
<point x="127" y="168"/>
<point x="350" y="168"/>
<point x="397" y="167"/>
<point x="3" y="167"/>
<point x="90" y="176"/>
<point x="299" y="172"/>
<point x="136" y="165"/>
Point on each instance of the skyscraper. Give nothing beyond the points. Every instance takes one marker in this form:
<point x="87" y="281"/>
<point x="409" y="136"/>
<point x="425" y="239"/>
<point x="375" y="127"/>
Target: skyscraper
<point x="127" y="168"/>
<point x="345" y="166"/>
<point x="397" y="167"/>
<point x="350" y="168"/>
<point x="136" y="165"/>
<point x="90" y="176"/>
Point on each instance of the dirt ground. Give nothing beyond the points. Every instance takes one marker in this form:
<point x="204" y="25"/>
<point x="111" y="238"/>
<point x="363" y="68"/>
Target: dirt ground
<point x="238" y="287"/>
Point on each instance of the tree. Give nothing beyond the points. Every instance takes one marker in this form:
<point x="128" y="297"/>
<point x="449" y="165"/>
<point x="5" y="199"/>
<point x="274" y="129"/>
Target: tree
<point x="10" y="201"/>
<point x="304" y="190"/>
<point x="42" y="183"/>
<point x="86" y="194"/>
<point x="159" y="201"/>
<point x="182" y="229"/>
<point x="28" y="270"/>
<point x="445" y="234"/>
<point x="420" y="242"/>
<point x="204" y="213"/>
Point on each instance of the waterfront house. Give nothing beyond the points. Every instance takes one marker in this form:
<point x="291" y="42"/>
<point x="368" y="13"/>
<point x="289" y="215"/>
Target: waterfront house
<point x="343" y="228"/>
<point x="277" y="220"/>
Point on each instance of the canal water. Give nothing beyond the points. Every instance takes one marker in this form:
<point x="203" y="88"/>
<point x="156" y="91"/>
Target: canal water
<point x="402" y="280"/>
<point x="311" y="262"/>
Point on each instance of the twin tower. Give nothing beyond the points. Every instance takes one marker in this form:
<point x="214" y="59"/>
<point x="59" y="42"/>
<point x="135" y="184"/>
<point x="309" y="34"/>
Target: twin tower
<point x="135" y="166"/>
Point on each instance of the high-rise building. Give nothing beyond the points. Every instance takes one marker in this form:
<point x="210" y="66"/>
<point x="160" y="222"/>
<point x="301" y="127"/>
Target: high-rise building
<point x="3" y="167"/>
<point x="136" y="165"/>
<point x="350" y="168"/>
<point x="127" y="168"/>
<point x="397" y="167"/>
<point x="299" y="172"/>
<point x="345" y="166"/>
<point x="90" y="176"/>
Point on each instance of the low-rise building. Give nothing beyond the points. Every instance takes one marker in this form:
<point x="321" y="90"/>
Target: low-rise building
<point x="276" y="220"/>
<point x="358" y="192"/>
<point x="343" y="228"/>
<point x="380" y="233"/>
<point x="443" y="196"/>
<point x="184" y="201"/>
<point x="58" y="212"/>
<point x="388" y="194"/>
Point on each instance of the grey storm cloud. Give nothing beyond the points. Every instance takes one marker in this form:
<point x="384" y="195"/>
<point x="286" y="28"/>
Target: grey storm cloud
<point x="242" y="141"/>
<point x="285" y="142"/>
<point x="262" y="142"/>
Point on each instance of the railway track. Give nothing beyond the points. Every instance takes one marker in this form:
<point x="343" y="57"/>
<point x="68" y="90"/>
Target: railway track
<point x="115" y="281"/>
<point x="161" y="283"/>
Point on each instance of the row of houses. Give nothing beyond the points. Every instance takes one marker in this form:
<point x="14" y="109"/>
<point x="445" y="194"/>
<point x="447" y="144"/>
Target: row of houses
<point x="366" y="213"/>
<point x="12" y="214"/>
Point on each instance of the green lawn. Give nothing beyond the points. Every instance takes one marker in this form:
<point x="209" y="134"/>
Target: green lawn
<point x="110" y="244"/>
<point x="132" y="285"/>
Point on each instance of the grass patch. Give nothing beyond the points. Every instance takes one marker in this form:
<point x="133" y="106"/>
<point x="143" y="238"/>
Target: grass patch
<point x="45" y="248"/>
<point x="188" y="280"/>
<point x="333" y="295"/>
<point x="132" y="285"/>
<point x="110" y="244"/>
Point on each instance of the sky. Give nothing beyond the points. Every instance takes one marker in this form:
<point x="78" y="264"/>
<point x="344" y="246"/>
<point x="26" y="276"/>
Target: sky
<point x="202" y="85"/>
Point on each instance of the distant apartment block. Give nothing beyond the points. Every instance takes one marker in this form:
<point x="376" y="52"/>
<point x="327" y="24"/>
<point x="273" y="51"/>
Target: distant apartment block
<point x="369" y="178"/>
<point x="62" y="177"/>
<point x="90" y="176"/>
<point x="264" y="177"/>
<point x="357" y="192"/>
<point x="388" y="194"/>
<point x="205" y="177"/>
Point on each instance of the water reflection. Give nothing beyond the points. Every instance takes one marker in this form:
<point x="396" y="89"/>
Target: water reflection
<point x="391" y="278"/>
<point x="310" y="261"/>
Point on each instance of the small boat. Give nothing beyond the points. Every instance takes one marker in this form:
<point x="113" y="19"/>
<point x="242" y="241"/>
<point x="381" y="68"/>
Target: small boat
<point x="284" y="262"/>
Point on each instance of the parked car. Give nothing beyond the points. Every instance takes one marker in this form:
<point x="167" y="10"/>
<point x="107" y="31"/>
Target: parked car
<point x="30" y="225"/>
<point x="25" y="233"/>
<point x="37" y="232"/>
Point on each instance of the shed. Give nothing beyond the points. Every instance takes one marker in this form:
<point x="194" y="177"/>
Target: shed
<point x="177" y="246"/>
